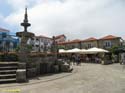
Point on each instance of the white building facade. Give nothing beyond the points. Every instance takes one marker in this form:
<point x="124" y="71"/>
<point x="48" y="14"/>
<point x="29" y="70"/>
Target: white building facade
<point x="41" y="44"/>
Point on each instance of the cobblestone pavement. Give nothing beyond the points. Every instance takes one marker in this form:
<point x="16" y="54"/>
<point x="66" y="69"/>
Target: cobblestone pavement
<point x="89" y="78"/>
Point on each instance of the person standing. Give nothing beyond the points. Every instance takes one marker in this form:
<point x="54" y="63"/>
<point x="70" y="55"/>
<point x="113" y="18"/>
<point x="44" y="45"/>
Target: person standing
<point x="74" y="59"/>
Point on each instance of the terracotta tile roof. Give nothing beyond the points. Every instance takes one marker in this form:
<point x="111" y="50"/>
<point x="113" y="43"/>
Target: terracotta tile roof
<point x="59" y="36"/>
<point x="76" y="40"/>
<point x="41" y="36"/>
<point x="62" y="43"/>
<point x="3" y="30"/>
<point x="90" y="39"/>
<point x="70" y="42"/>
<point x="108" y="37"/>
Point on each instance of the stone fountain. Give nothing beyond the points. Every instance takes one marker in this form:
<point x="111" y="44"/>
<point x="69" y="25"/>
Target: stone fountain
<point x="31" y="66"/>
<point x="24" y="35"/>
<point x="23" y="52"/>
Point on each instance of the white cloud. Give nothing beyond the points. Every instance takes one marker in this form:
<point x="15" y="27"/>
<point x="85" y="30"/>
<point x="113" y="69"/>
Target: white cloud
<point x="74" y="18"/>
<point x="19" y="4"/>
<point x="1" y="17"/>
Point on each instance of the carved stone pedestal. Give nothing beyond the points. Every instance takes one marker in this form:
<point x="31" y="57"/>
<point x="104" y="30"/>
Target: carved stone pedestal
<point x="21" y="75"/>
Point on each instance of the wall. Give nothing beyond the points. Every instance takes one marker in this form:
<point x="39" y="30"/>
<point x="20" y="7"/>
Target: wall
<point x="114" y="42"/>
<point x="84" y="45"/>
<point x="39" y="65"/>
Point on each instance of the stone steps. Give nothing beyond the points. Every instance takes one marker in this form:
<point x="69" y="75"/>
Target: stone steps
<point x="7" y="80"/>
<point x="8" y="64"/>
<point x="8" y="68"/>
<point x="8" y="72"/>
<point x="7" y="76"/>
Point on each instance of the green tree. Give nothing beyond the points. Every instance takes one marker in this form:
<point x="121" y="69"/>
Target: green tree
<point x="61" y="47"/>
<point x="114" y="49"/>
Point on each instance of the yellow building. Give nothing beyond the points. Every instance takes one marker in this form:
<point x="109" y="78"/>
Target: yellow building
<point x="105" y="42"/>
<point x="109" y="41"/>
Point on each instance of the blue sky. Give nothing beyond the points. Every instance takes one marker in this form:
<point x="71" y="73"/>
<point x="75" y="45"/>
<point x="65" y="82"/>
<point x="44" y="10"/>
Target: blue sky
<point x="5" y="8"/>
<point x="74" y="18"/>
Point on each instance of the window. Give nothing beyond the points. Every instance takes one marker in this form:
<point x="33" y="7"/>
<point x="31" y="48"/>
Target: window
<point x="90" y="46"/>
<point x="4" y="35"/>
<point x="107" y="44"/>
<point x="73" y="46"/>
<point x="37" y="45"/>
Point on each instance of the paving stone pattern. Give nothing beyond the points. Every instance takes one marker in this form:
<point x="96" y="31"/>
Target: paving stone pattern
<point x="90" y="78"/>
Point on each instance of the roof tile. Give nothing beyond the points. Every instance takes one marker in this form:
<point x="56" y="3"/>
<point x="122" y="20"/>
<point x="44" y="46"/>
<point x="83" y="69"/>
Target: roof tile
<point x="57" y="37"/>
<point x="108" y="37"/>
<point x="41" y="36"/>
<point x="90" y="39"/>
